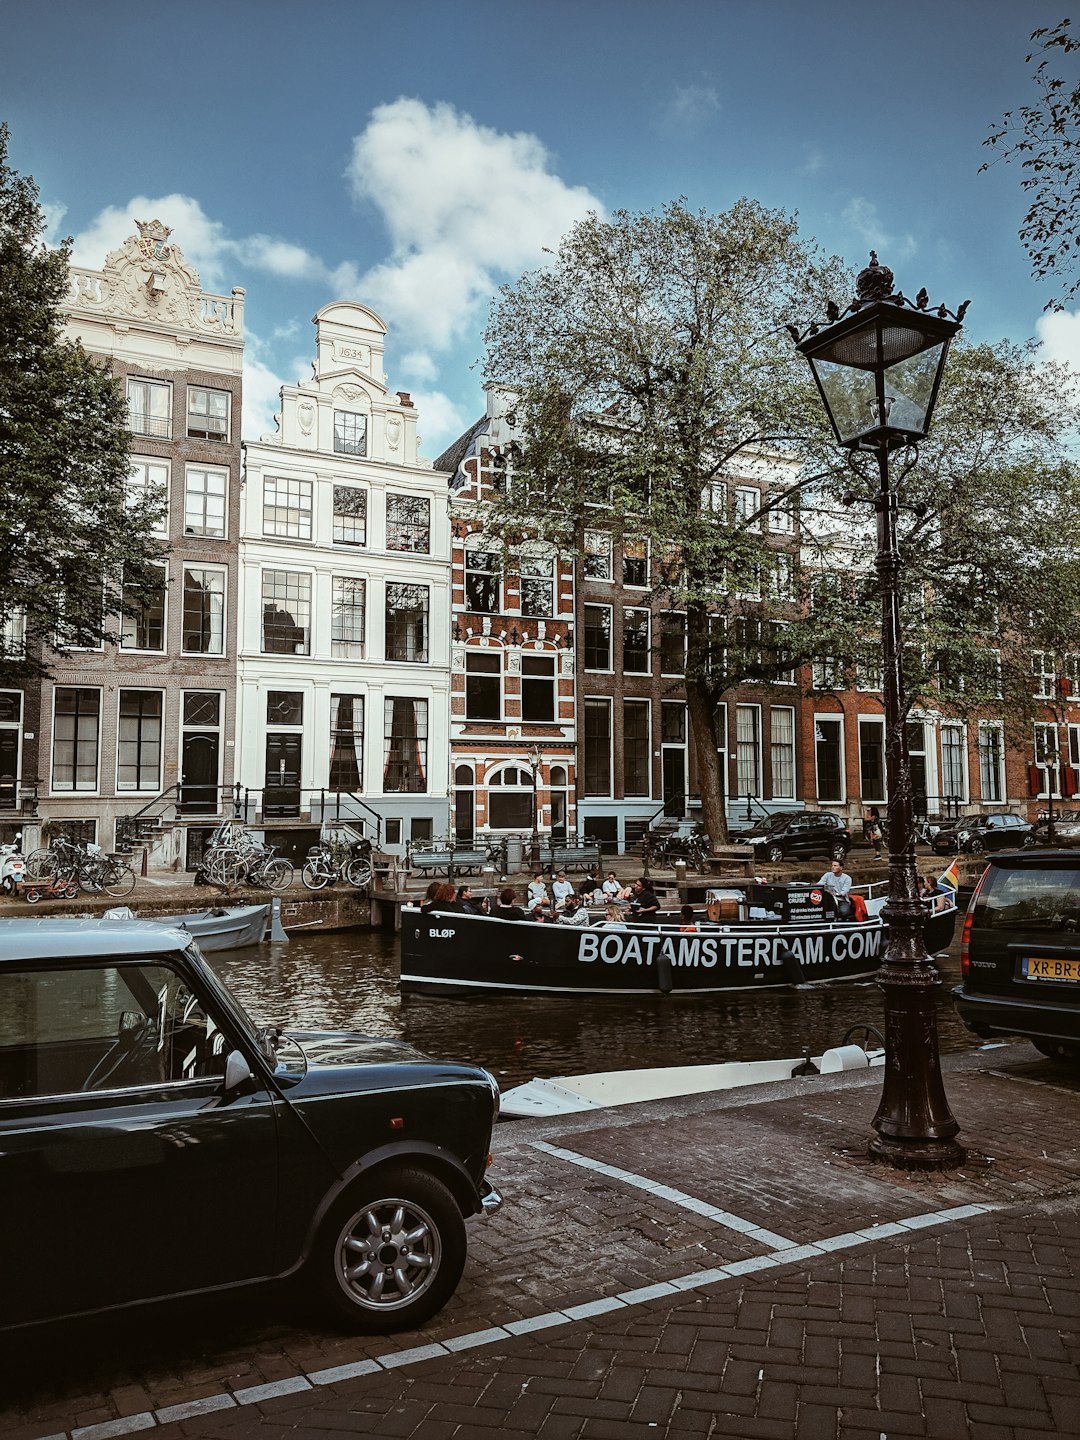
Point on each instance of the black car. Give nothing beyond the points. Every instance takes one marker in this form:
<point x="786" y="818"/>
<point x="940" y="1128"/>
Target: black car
<point x="153" y="1142"/>
<point x="1020" y="952"/>
<point x="803" y="832"/>
<point x="983" y="833"/>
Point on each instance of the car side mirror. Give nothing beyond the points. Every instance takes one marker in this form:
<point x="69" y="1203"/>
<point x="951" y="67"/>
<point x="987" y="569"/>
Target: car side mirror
<point x="237" y="1071"/>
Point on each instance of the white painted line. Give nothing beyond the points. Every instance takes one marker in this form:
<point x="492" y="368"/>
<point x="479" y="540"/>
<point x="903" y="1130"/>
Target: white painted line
<point x="666" y="1192"/>
<point x="191" y="1408"/>
<point x="256" y="1394"/>
<point x="493" y="1335"/>
<point x="336" y="1373"/>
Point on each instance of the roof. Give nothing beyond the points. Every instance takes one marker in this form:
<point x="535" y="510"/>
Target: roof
<point x="67" y="940"/>
<point x="452" y="457"/>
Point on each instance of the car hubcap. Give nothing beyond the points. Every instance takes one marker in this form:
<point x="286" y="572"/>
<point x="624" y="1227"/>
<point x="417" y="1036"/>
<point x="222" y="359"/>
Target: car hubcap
<point x="388" y="1254"/>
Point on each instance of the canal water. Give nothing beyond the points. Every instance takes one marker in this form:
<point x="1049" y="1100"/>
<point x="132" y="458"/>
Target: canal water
<point x="349" y="981"/>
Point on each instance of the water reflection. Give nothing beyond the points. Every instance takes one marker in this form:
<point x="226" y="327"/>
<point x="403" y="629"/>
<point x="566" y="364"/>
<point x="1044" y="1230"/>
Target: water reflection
<point x="349" y="981"/>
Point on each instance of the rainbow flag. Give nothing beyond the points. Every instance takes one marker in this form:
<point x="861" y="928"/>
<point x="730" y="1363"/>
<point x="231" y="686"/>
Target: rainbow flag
<point x="949" y="880"/>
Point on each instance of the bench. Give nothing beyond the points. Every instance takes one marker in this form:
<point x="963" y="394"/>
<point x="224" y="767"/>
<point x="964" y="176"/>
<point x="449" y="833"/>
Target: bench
<point x="442" y="862"/>
<point x="573" y="857"/>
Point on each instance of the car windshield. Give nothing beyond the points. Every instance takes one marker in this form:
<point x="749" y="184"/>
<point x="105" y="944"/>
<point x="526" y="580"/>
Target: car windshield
<point x="772" y="822"/>
<point x="1026" y="899"/>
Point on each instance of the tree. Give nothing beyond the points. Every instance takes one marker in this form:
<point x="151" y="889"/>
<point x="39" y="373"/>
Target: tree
<point x="1045" y="137"/>
<point x="651" y="370"/>
<point x="652" y="373"/>
<point x="72" y="544"/>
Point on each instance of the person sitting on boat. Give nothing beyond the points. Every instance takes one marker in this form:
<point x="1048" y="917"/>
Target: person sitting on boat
<point x="466" y="902"/>
<point x="573" y="913"/>
<point x="561" y="890"/>
<point x="686" y="916"/>
<point x="540" y="909"/>
<point x="613" y="891"/>
<point x="428" y="902"/>
<point x="613" y="919"/>
<point x="836" y="880"/>
<point x="507" y="907"/>
<point x="643" y="902"/>
<point x="589" y="888"/>
<point x="537" y="889"/>
<point x="445" y="900"/>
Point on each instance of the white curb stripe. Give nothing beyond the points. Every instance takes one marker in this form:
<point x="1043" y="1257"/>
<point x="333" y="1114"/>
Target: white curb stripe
<point x="696" y="1280"/>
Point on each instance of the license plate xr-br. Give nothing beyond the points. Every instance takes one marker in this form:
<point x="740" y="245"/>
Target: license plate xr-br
<point x="1050" y="967"/>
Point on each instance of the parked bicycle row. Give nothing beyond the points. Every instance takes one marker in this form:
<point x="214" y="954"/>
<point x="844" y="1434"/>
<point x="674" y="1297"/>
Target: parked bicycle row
<point x="236" y="857"/>
<point x="62" y="869"/>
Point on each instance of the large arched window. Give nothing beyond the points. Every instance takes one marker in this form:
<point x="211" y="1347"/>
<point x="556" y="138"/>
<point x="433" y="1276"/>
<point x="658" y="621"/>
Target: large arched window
<point x="511" y="798"/>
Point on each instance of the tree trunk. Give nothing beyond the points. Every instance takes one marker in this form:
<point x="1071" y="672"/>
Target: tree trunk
<point x="711" y="765"/>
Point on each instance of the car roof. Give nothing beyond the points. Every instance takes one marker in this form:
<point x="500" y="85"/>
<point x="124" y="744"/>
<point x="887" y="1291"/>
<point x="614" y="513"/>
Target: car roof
<point x="1037" y="859"/>
<point x="80" y="939"/>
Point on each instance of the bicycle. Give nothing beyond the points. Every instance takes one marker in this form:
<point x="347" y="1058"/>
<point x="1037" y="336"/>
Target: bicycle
<point x="238" y="859"/>
<point x="59" y="860"/>
<point x="106" y="873"/>
<point x="329" y="862"/>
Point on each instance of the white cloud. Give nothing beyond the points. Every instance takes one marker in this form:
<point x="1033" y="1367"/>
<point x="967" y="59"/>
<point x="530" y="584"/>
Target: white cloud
<point x="1059" y="337"/>
<point x="862" y="216"/>
<point x="419" y="363"/>
<point x="812" y="162"/>
<point x="439" y="420"/>
<point x="464" y="205"/>
<point x="689" y="110"/>
<point x="54" y="218"/>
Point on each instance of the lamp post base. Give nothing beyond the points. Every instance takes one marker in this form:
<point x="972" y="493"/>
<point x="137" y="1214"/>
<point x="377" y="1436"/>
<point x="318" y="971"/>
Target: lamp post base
<point x="915" y="1128"/>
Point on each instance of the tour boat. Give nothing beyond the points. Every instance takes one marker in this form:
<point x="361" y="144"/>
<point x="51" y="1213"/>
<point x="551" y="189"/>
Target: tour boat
<point x="761" y="937"/>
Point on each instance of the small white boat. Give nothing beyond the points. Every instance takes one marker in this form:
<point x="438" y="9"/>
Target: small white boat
<point x="568" y="1094"/>
<point x="220" y="927"/>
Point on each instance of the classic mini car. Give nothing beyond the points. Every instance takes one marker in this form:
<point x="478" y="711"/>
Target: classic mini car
<point x="805" y="832"/>
<point x="977" y="834"/>
<point x="154" y="1142"/>
<point x="1020" y="952"/>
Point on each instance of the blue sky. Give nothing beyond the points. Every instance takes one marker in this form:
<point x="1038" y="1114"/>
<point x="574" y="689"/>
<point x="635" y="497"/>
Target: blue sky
<point x="415" y="156"/>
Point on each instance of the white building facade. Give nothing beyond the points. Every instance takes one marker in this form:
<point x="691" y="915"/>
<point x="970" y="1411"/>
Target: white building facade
<point x="344" y="665"/>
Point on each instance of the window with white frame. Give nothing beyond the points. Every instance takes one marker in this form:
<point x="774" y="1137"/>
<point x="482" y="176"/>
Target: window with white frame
<point x="1072" y="779"/>
<point x="637" y="642"/>
<point x="781" y="521"/>
<point x="511" y="798"/>
<point x="829" y="757"/>
<point x="872" y="759"/>
<point x="76" y="730"/>
<point x="208" y="414"/>
<point x="346" y="742"/>
<point x="149" y="407"/>
<point x="782" y="576"/>
<point x="405" y="745"/>
<point x="482" y="581"/>
<point x="635" y="563"/>
<point x="205" y="490"/>
<point x="597" y="648"/>
<point x="203" y="631"/>
<point x="782" y="751"/>
<point x="538" y="687"/>
<point x="783" y="659"/>
<point x="13" y="635"/>
<point x="407" y="608"/>
<point x="868" y="675"/>
<point x="408" y="523"/>
<point x="672" y="642"/>
<point x="483" y="685"/>
<point x="598" y="554"/>
<point x="537" y="584"/>
<point x="637" y="748"/>
<point x="1071" y="667"/>
<point x="991" y="762"/>
<point x="149" y="480"/>
<point x="747" y="504"/>
<point x="138" y="745"/>
<point x="714" y="497"/>
<point x="748" y="750"/>
<point x="954" y="783"/>
<point x="350" y="515"/>
<point x="596" y="779"/>
<point x="142" y="622"/>
<point x="287" y="508"/>
<point x="348" y="612"/>
<point x="286" y="612"/>
<point x="1045" y="673"/>
<point x="350" y="433"/>
<point x="1048" y="760"/>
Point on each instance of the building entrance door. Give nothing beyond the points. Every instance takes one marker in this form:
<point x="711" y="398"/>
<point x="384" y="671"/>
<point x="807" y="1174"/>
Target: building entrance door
<point x="281" y="787"/>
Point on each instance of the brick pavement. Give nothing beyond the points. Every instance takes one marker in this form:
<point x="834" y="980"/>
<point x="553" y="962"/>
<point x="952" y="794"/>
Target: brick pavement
<point x="671" y="1255"/>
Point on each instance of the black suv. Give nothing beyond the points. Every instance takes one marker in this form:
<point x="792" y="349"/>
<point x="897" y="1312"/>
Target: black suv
<point x="978" y="834"/>
<point x="804" y="832"/>
<point x="192" y="1152"/>
<point x="1020" y="952"/>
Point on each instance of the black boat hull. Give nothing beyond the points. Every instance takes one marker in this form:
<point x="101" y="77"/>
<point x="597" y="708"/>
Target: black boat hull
<point x="472" y="952"/>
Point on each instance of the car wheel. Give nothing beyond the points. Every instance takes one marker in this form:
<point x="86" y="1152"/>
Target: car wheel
<point x="839" y="852"/>
<point x="391" y="1251"/>
<point x="774" y="854"/>
<point x="976" y="845"/>
<point x="1027" y="842"/>
<point x="1060" y="1051"/>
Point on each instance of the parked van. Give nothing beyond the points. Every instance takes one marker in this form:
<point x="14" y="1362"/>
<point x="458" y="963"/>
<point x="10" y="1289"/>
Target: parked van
<point x="1020" y="952"/>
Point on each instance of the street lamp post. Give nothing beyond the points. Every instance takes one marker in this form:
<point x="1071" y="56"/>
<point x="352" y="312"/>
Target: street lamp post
<point x="535" y="756"/>
<point x="878" y="366"/>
